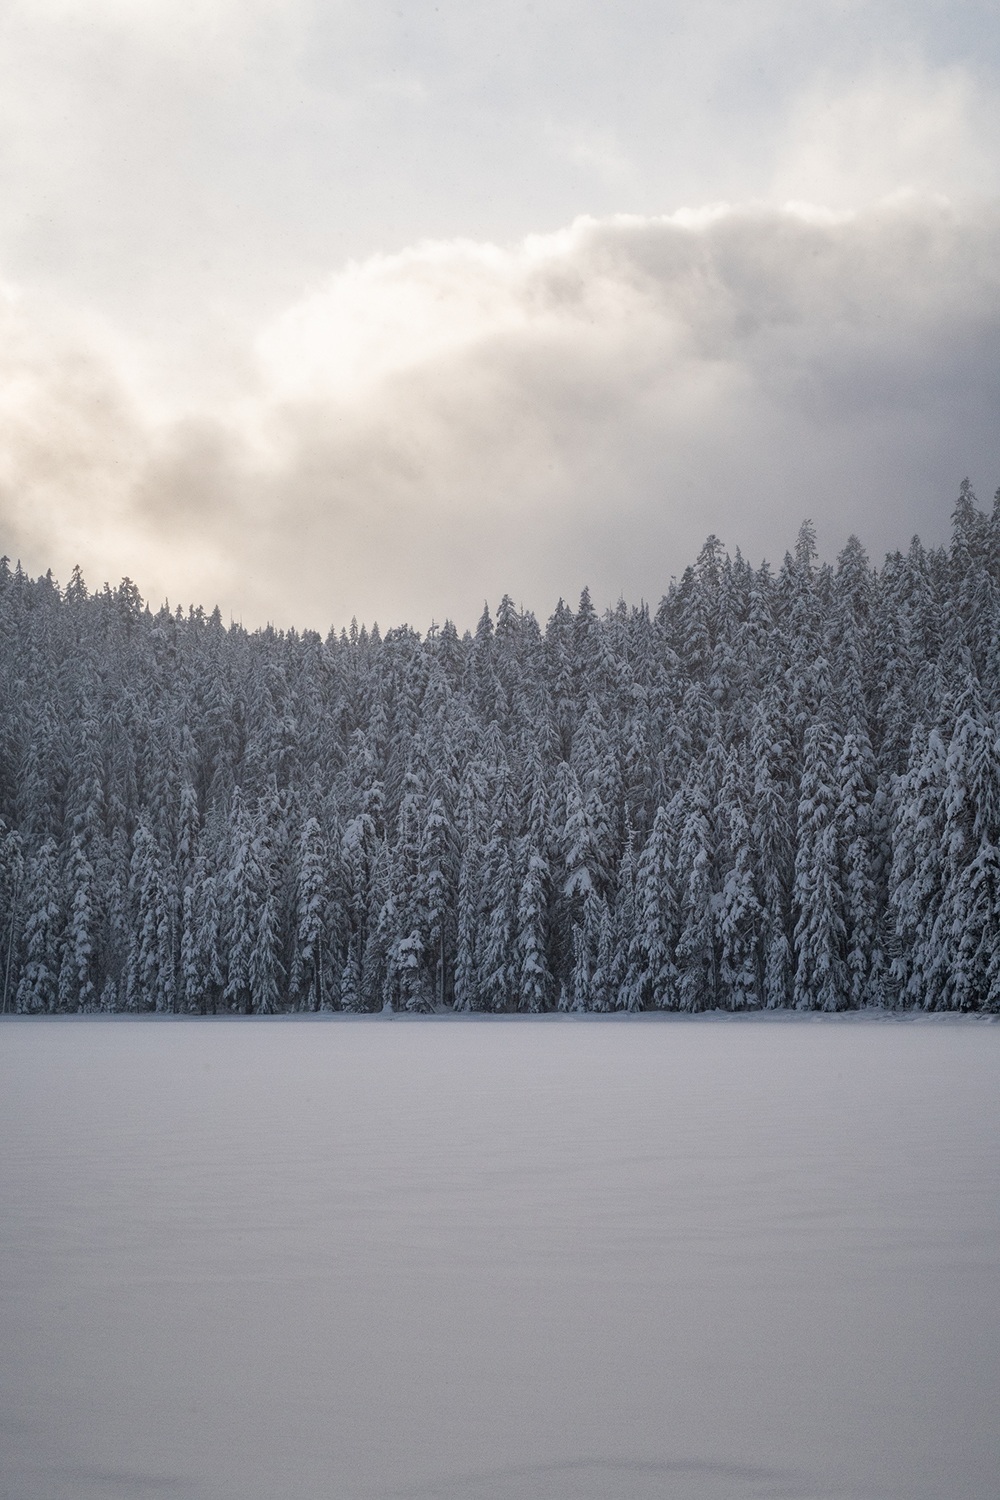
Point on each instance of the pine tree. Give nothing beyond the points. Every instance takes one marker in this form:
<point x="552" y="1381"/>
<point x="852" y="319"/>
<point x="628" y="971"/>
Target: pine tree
<point x="243" y="895"/>
<point x="472" y="814"/>
<point x="697" y="987"/>
<point x="77" y="969"/>
<point x="821" y="981"/>
<point x="361" y="861"/>
<point x="652" y="980"/>
<point x="37" y="988"/>
<point x="11" y="896"/>
<point x="779" y="788"/>
<point x="150" y="978"/>
<point x="738" y="910"/>
<point x="971" y="828"/>
<point x="855" y="838"/>
<point x="918" y="872"/>
<point x="308" y="978"/>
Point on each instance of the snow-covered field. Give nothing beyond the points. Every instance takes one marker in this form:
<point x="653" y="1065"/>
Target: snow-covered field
<point x="499" y="1260"/>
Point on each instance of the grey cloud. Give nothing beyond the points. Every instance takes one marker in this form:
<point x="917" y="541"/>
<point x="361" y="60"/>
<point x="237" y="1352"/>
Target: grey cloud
<point x="429" y="427"/>
<point x="727" y="377"/>
<point x="458" y="421"/>
<point x="158" y="158"/>
<point x="72" y="437"/>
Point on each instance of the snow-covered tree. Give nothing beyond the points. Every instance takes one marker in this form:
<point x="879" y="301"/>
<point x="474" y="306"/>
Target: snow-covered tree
<point x="774" y="787"/>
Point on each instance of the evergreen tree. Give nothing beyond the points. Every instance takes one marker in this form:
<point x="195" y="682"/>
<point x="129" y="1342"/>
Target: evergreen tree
<point x="37" y="988"/>
<point x="855" y="839"/>
<point x="77" y="969"/>
<point x="150" y="979"/>
<point x="820" y="970"/>
<point x="738" y="910"/>
<point x="917" y="873"/>
<point x="308" y="976"/>
<point x="781" y="787"/>
<point x="695" y="952"/>
<point x="652" y="978"/>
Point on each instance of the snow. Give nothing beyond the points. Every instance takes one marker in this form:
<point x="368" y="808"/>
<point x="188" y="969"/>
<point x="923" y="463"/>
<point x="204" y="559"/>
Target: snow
<point x="473" y="1258"/>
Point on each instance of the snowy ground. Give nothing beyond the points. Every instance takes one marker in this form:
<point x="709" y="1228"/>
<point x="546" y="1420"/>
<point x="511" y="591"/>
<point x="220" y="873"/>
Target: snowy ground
<point x="515" y="1259"/>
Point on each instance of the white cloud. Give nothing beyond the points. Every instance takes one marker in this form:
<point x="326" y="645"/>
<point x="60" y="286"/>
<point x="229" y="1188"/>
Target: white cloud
<point x="435" y="427"/>
<point x="904" y="127"/>
<point x="596" y="150"/>
<point x="162" y="24"/>
<point x="486" y="409"/>
<point x="69" y="431"/>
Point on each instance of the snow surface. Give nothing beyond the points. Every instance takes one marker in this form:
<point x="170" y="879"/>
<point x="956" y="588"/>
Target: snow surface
<point x="499" y="1260"/>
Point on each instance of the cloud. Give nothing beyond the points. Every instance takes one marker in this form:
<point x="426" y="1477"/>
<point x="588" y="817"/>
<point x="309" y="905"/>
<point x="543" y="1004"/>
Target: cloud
<point x="905" y="127"/>
<point x="71" y="441"/>
<point x="157" y="24"/>
<point x="168" y="163"/>
<point x="430" y="428"/>
<point x="486" y="409"/>
<point x="596" y="151"/>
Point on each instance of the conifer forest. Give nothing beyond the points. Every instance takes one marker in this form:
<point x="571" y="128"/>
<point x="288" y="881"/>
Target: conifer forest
<point x="779" y="788"/>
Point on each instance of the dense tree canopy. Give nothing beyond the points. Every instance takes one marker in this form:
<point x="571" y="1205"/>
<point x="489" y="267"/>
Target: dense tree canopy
<point x="778" y="789"/>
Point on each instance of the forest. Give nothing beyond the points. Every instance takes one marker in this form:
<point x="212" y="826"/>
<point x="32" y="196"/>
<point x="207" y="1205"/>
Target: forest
<point x="779" y="788"/>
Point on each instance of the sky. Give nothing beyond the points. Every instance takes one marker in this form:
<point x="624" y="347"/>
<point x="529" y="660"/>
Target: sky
<point x="383" y="310"/>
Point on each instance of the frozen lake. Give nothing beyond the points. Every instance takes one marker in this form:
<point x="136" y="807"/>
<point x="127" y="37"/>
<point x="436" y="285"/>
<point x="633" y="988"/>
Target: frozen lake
<point x="499" y="1259"/>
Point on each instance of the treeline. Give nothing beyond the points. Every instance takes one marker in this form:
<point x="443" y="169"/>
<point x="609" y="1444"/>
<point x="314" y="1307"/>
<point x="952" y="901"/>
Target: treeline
<point x="778" y="789"/>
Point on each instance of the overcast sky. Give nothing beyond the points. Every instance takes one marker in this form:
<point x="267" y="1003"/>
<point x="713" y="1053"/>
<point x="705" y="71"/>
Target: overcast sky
<point x="383" y="309"/>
